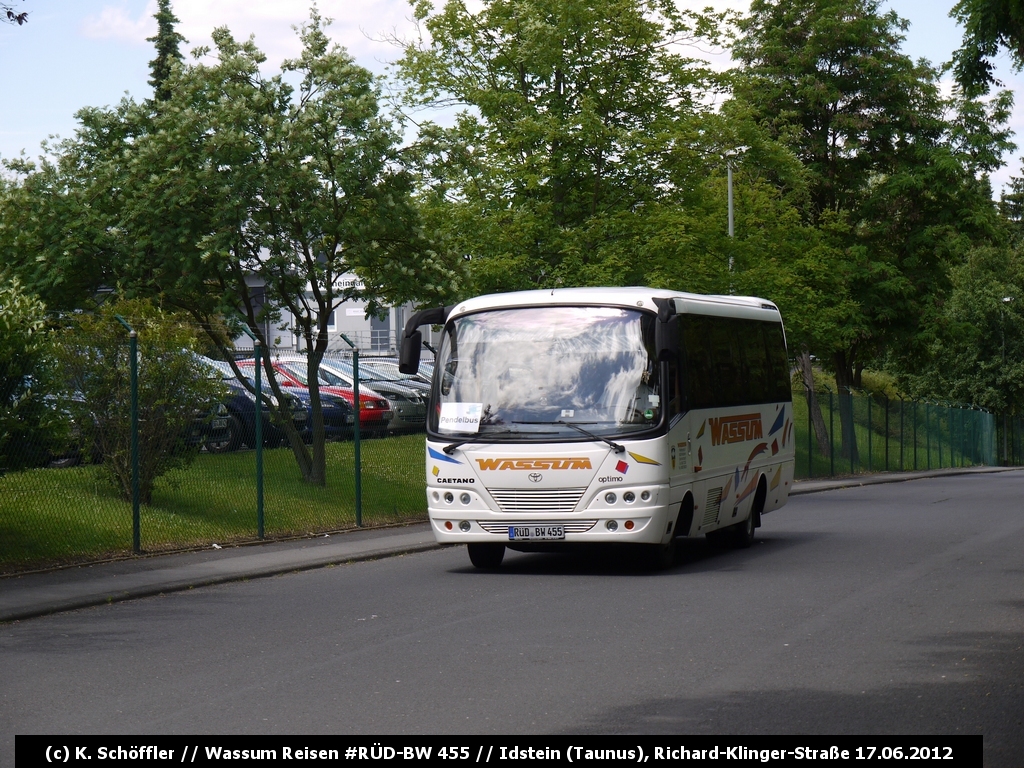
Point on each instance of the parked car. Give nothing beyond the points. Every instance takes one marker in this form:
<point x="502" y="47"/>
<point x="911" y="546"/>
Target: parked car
<point x="374" y="414"/>
<point x="240" y="418"/>
<point x="209" y="426"/>
<point x="389" y="367"/>
<point x="408" y="404"/>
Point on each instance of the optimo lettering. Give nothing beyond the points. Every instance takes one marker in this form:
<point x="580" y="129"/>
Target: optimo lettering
<point x="534" y="464"/>
<point x="735" y="429"/>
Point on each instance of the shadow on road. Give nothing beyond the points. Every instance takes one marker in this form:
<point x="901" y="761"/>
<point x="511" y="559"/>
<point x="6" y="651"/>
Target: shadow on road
<point x="982" y="693"/>
<point x="692" y="556"/>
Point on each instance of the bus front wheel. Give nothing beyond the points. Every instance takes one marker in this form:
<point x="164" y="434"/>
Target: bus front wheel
<point x="661" y="556"/>
<point x="486" y="556"/>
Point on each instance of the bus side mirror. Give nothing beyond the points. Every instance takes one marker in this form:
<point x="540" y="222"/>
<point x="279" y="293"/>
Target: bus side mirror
<point x="412" y="339"/>
<point x="666" y="330"/>
<point x="666" y="338"/>
<point x="409" y="355"/>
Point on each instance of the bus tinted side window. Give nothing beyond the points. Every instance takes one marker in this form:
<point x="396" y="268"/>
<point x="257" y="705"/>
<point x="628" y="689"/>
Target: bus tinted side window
<point x="758" y="382"/>
<point x="697" y="368"/>
<point x="779" y="381"/>
<point x="727" y="361"/>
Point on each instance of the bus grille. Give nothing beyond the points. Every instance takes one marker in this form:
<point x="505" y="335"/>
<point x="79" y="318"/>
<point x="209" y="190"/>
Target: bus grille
<point x="524" y="500"/>
<point x="571" y="526"/>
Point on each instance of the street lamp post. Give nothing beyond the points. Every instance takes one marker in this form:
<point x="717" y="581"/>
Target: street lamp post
<point x="730" y="155"/>
<point x="1002" y="329"/>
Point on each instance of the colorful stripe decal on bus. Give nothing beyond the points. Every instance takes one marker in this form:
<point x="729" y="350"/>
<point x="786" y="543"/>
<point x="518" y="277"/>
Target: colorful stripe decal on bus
<point x="643" y="459"/>
<point x="441" y="457"/>
<point x="760" y="448"/>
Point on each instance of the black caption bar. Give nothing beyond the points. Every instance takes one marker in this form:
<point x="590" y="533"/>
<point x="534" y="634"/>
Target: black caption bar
<point x="500" y="752"/>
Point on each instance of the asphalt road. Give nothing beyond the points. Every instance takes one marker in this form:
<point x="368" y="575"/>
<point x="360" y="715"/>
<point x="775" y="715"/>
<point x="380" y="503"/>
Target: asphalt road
<point x="889" y="609"/>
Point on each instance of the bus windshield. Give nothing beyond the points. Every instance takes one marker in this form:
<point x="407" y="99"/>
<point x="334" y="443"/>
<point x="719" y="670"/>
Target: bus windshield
<point x="548" y="371"/>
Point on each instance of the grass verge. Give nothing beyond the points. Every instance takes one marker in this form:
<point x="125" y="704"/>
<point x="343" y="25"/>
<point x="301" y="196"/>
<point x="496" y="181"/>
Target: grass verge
<point x="54" y="516"/>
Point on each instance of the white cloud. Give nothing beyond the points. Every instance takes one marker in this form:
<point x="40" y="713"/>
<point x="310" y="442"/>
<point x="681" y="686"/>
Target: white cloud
<point x="359" y="26"/>
<point x="117" y="23"/>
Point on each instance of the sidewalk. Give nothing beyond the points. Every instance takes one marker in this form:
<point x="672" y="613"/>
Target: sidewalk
<point x="38" y="594"/>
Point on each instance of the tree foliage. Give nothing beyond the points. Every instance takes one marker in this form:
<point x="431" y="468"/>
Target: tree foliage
<point x="976" y="354"/>
<point x="30" y="431"/>
<point x="175" y="391"/>
<point x="238" y="196"/>
<point x="579" y="121"/>
<point x="166" y="42"/>
<point x="989" y="25"/>
<point x="12" y="16"/>
<point x="896" y="172"/>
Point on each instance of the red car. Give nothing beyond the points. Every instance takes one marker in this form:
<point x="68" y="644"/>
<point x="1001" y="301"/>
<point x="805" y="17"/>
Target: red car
<point x="374" y="410"/>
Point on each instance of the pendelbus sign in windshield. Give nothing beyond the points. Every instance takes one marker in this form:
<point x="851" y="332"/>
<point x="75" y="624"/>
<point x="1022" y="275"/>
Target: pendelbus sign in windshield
<point x="604" y="415"/>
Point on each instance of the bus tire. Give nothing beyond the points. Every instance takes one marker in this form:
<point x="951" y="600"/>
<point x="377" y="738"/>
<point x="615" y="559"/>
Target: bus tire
<point x="661" y="556"/>
<point x="486" y="556"/>
<point x="743" y="534"/>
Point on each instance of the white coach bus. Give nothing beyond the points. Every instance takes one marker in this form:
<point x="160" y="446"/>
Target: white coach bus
<point x="604" y="415"/>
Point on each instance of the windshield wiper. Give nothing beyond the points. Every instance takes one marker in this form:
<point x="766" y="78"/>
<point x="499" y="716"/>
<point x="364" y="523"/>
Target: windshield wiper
<point x="450" y="448"/>
<point x="615" y="446"/>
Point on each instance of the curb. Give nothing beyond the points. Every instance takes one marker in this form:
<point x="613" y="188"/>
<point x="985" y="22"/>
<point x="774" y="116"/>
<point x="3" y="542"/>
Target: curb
<point x="801" y="487"/>
<point x="42" y="599"/>
<point x="102" y="590"/>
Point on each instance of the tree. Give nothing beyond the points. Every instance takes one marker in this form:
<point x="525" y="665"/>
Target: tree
<point x="989" y="25"/>
<point x="166" y="42"/>
<point x="896" y="172"/>
<point x="175" y="390"/>
<point x="241" y="196"/>
<point x="12" y="16"/>
<point x="30" y="430"/>
<point x="581" y="128"/>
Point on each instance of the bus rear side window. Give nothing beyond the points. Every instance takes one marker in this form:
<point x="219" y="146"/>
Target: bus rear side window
<point x="729" y="361"/>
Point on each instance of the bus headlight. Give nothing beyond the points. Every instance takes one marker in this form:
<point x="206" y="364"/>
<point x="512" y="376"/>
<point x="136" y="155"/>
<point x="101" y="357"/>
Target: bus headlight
<point x="465" y="498"/>
<point x="464" y="526"/>
<point x="629" y="497"/>
<point x="610" y="497"/>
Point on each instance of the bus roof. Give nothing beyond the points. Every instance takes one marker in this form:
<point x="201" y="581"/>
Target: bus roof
<point x="749" y="307"/>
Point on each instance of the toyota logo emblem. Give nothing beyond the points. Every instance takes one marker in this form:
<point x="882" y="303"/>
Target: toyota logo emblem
<point x="536" y="477"/>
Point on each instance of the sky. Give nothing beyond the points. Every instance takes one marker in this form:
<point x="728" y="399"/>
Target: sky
<point x="78" y="53"/>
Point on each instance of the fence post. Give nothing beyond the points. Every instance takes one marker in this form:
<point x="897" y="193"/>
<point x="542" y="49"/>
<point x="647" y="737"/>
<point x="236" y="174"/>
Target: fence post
<point x="810" y="441"/>
<point x="831" y="438"/>
<point x="915" y="435"/>
<point x="853" y="430"/>
<point x="927" y="437"/>
<point x="133" y="353"/>
<point x="869" y="433"/>
<point x="886" y="433"/>
<point x="903" y="465"/>
<point x="257" y="350"/>
<point x="258" y="366"/>
<point x="938" y="436"/>
<point x="355" y="431"/>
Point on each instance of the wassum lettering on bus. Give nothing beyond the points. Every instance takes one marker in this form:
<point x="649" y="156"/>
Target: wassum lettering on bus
<point x="571" y="463"/>
<point x="735" y="429"/>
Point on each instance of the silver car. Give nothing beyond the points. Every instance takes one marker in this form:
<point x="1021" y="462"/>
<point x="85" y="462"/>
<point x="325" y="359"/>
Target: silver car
<point x="408" y="404"/>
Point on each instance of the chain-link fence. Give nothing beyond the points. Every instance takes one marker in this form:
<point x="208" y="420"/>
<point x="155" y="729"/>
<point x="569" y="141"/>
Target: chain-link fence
<point x="847" y="433"/>
<point x="212" y="462"/>
<point x="205" y="463"/>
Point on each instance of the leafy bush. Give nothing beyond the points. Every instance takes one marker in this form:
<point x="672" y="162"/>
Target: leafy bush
<point x="30" y="428"/>
<point x="176" y="394"/>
